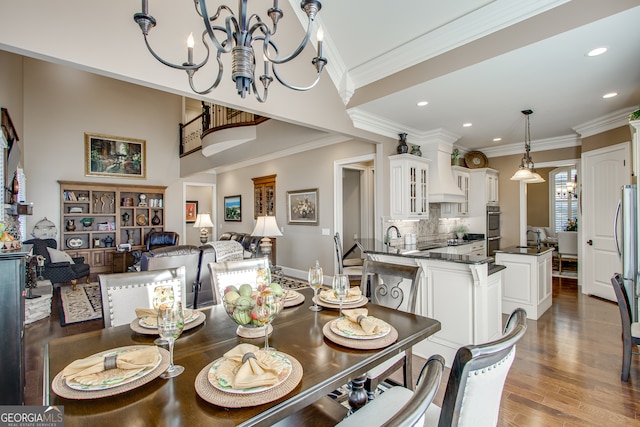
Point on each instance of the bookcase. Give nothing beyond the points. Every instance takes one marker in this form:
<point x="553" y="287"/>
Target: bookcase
<point x="96" y="218"/>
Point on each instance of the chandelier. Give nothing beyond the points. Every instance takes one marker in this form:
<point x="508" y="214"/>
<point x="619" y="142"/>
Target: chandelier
<point x="527" y="171"/>
<point x="237" y="35"/>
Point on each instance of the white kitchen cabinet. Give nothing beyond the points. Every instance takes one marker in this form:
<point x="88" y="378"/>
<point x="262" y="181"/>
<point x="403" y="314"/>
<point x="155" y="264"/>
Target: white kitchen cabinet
<point x="462" y="179"/>
<point x="483" y="191"/>
<point x="409" y="178"/>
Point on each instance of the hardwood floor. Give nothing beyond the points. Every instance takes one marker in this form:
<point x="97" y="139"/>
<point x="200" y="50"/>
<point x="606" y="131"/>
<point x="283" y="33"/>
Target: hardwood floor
<point x="566" y="371"/>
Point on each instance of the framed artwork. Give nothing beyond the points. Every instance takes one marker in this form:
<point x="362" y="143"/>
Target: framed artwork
<point x="302" y="207"/>
<point x="233" y="208"/>
<point x="114" y="156"/>
<point x="191" y="211"/>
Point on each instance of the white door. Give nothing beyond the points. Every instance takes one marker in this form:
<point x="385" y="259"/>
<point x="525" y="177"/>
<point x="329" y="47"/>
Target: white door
<point x="604" y="172"/>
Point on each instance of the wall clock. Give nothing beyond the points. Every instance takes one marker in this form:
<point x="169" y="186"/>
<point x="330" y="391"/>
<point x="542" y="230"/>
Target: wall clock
<point x="476" y="159"/>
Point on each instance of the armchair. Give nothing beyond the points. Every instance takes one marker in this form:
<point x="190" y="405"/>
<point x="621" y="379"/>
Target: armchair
<point x="60" y="271"/>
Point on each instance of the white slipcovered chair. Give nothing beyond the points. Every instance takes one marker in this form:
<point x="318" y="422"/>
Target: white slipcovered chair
<point x="122" y="293"/>
<point x="234" y="273"/>
<point x="567" y="246"/>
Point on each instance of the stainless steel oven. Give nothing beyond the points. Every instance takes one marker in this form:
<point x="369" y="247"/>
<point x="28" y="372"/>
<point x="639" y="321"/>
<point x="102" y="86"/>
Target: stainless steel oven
<point x="493" y="229"/>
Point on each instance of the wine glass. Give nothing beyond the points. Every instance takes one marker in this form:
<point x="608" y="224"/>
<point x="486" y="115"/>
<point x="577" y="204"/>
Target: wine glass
<point x="162" y="295"/>
<point x="267" y="307"/>
<point x="315" y="281"/>
<point x="170" y="324"/>
<point x="340" y="288"/>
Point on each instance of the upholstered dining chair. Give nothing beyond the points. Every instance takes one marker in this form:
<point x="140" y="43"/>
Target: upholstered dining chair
<point x="233" y="273"/>
<point x="630" y="330"/>
<point x="567" y="246"/>
<point x="394" y="286"/>
<point x="478" y="374"/>
<point x="122" y="293"/>
<point x="410" y="407"/>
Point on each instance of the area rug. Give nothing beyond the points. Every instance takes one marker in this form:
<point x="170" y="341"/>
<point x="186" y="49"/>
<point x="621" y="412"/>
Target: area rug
<point x="81" y="305"/>
<point x="292" y="283"/>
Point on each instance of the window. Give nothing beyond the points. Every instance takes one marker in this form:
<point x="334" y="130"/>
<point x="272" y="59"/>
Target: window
<point x="564" y="196"/>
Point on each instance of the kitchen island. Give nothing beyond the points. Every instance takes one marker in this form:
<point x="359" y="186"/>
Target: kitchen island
<point x="462" y="291"/>
<point x="527" y="280"/>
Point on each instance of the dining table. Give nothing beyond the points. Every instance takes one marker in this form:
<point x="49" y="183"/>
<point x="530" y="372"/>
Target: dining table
<point x="297" y="332"/>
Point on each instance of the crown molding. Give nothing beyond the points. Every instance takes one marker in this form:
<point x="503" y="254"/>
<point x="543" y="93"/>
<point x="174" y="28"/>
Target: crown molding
<point x="602" y="124"/>
<point x="537" y="145"/>
<point x="497" y="15"/>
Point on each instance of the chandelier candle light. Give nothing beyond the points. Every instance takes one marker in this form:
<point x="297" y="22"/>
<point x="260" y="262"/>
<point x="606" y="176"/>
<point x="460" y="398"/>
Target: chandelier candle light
<point x="237" y="36"/>
<point x="527" y="171"/>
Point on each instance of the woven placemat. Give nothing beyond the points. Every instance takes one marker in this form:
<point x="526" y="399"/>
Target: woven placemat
<point x="337" y="306"/>
<point x="233" y="400"/>
<point x="377" y="343"/>
<point x="299" y="299"/>
<point x="60" y="387"/>
<point x="135" y="325"/>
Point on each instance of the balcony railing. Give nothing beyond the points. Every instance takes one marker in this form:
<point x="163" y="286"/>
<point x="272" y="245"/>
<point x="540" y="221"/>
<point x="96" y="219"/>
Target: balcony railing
<point x="213" y="118"/>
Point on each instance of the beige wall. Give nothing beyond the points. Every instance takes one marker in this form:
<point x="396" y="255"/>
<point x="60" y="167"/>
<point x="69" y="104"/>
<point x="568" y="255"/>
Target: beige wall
<point x="300" y="245"/>
<point x="605" y="139"/>
<point x="538" y="200"/>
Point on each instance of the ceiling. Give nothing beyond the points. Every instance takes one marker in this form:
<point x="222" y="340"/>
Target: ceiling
<point x="482" y="62"/>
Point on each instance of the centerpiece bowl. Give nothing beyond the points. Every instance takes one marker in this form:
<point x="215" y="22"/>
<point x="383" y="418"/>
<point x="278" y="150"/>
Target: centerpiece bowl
<point x="241" y="303"/>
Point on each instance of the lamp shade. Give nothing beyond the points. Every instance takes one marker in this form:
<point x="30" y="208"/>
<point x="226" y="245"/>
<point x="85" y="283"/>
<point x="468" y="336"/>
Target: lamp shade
<point x="203" y="221"/>
<point x="522" y="174"/>
<point x="266" y="226"/>
<point x="535" y="178"/>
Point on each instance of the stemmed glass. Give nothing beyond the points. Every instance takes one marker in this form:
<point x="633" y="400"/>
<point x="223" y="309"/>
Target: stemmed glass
<point x="170" y="324"/>
<point x="267" y="307"/>
<point x="340" y="288"/>
<point x="315" y="281"/>
<point x="162" y="295"/>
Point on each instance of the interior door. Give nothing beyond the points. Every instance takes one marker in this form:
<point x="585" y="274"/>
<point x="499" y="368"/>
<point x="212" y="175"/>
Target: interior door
<point x="604" y="173"/>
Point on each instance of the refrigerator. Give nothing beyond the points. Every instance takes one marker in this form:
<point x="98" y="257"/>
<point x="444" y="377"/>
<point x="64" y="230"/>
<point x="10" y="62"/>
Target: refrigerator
<point x="625" y="234"/>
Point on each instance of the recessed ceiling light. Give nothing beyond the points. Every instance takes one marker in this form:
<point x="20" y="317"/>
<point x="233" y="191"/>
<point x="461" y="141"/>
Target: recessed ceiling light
<point x="610" y="95"/>
<point x="597" y="51"/>
<point x="497" y="139"/>
<point x="422" y="103"/>
<point x="467" y="125"/>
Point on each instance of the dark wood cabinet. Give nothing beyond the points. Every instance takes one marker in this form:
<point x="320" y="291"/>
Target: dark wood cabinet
<point x="12" y="277"/>
<point x="264" y="196"/>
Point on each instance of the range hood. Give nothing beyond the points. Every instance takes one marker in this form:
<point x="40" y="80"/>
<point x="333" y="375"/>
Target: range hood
<point x="442" y="188"/>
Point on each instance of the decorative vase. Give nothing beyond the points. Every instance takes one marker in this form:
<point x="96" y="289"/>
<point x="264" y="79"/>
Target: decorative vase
<point x="402" y="148"/>
<point x="125" y="219"/>
<point x="415" y="150"/>
<point x="156" y="219"/>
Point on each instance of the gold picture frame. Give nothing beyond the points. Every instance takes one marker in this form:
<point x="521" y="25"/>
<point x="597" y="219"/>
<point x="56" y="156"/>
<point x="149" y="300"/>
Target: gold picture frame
<point x="114" y="156"/>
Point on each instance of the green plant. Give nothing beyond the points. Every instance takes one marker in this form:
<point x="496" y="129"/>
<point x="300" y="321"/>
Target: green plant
<point x="635" y="115"/>
<point x="461" y="228"/>
<point x="572" y="225"/>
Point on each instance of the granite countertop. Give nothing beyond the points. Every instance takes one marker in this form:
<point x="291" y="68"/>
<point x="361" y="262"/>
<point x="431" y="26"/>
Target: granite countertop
<point x="419" y="250"/>
<point x="527" y="250"/>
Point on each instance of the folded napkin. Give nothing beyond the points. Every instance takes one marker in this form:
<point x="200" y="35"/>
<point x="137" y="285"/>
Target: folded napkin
<point x="247" y="366"/>
<point x="146" y="312"/>
<point x="353" y="294"/>
<point x="360" y="317"/>
<point x="150" y="315"/>
<point x="85" y="370"/>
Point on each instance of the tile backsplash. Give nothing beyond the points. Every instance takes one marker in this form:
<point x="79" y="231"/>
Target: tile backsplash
<point x="434" y="228"/>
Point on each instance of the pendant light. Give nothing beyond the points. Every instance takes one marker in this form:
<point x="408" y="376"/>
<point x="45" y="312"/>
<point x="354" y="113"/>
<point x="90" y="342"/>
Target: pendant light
<point x="527" y="171"/>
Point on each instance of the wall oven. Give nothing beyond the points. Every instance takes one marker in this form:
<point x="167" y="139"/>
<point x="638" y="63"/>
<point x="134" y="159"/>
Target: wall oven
<point x="493" y="229"/>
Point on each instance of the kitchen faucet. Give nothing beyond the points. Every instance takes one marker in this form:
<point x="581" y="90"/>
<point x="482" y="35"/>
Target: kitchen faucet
<point x="387" y="239"/>
<point x="538" y="233"/>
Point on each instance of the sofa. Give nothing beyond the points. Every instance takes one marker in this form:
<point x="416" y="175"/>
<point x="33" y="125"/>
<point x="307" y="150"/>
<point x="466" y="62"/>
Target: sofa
<point x="246" y="240"/>
<point x="199" y="292"/>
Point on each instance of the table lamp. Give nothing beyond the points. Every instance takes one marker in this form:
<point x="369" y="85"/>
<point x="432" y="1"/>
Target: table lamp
<point x="267" y="227"/>
<point x="203" y="221"/>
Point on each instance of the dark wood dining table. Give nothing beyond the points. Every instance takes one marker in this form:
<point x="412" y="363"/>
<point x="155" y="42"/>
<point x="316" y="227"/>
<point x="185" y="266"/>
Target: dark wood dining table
<point x="175" y="402"/>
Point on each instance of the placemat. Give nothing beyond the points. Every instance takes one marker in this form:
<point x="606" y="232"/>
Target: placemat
<point x="231" y="400"/>
<point x="60" y="387"/>
<point x="299" y="299"/>
<point x="383" y="342"/>
<point x="337" y="306"/>
<point x="135" y="325"/>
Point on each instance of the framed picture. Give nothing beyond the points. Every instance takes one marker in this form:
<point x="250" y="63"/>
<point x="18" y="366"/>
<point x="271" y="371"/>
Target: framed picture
<point x="233" y="208"/>
<point x="191" y="211"/>
<point x="302" y="207"/>
<point x="114" y="156"/>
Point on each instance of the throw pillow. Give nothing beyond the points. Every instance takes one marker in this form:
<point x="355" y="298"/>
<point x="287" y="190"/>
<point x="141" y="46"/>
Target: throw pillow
<point x="59" y="256"/>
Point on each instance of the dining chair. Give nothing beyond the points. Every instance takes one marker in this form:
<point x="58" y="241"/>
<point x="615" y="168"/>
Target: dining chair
<point x="352" y="267"/>
<point x="394" y="286"/>
<point x="122" y="293"/>
<point x="478" y="374"/>
<point x="234" y="273"/>
<point x="630" y="330"/>
<point x="399" y="406"/>
<point x="567" y="246"/>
